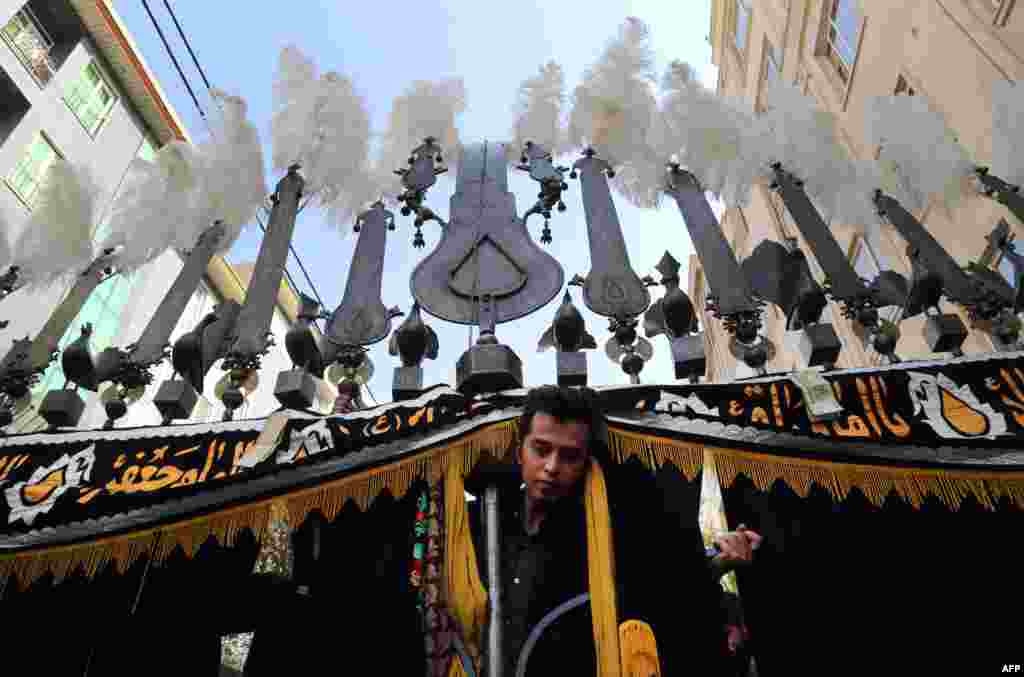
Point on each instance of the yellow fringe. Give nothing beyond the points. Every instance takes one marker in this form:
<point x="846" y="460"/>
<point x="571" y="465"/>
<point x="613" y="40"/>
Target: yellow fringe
<point x="876" y="481"/>
<point x="913" y="485"/>
<point x="189" y="535"/>
<point x="654" y="451"/>
<point x="601" y="574"/>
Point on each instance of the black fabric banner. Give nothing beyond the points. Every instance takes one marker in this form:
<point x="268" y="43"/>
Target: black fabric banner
<point x="48" y="480"/>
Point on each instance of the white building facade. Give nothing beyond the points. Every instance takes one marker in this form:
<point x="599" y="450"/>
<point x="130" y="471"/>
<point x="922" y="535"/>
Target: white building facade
<point x="73" y="86"/>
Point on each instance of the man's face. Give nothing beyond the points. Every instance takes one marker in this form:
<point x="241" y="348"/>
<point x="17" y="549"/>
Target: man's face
<point x="553" y="457"/>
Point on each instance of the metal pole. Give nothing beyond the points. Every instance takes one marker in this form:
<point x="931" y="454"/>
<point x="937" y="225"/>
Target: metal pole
<point x="131" y="612"/>
<point x="495" y="664"/>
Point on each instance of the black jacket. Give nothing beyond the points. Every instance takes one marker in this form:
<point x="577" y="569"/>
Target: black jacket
<point x="661" y="573"/>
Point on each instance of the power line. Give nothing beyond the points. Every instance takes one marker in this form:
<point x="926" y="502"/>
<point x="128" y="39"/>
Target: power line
<point x="174" y="59"/>
<point x="202" y="74"/>
<point x="188" y="46"/>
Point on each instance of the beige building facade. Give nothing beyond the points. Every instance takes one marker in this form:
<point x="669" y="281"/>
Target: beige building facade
<point x="842" y="53"/>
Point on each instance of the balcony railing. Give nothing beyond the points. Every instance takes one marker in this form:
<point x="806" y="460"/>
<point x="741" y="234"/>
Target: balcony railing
<point x="31" y="44"/>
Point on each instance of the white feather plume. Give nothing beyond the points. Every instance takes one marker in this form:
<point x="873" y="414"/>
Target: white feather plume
<point x="917" y="146"/>
<point x="424" y="109"/>
<point x="158" y="207"/>
<point x="612" y="108"/>
<point x="56" y="240"/>
<point x="541" y="100"/>
<point x="852" y="202"/>
<point x="295" y="92"/>
<point x="804" y="140"/>
<point x="233" y="183"/>
<point x="725" y="147"/>
<point x="323" y="125"/>
<point x="1008" y="132"/>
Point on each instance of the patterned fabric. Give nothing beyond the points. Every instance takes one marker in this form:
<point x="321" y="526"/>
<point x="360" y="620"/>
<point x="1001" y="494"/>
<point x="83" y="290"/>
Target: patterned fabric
<point x="425" y="576"/>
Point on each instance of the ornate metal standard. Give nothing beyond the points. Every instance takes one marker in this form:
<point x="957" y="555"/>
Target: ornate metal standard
<point x="417" y="179"/>
<point x="842" y="282"/>
<point x="192" y="357"/>
<point x="730" y="299"/>
<point x="568" y="335"/>
<point x="989" y="300"/>
<point x="362" y="319"/>
<point x="1001" y="191"/>
<point x="673" y="315"/>
<point x="411" y="341"/>
<point x="538" y="161"/>
<point x="129" y="369"/>
<point x="485" y="270"/>
<point x="781" y="275"/>
<point x="28" y="358"/>
<point x="611" y="288"/>
<point x="295" y="387"/>
<point x="251" y="339"/>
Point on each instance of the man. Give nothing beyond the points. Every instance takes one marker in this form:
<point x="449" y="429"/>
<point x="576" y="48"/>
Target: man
<point x="661" y="572"/>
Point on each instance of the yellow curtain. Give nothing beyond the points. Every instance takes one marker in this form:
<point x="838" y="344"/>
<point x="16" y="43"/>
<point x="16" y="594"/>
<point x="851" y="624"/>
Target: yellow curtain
<point x="466" y="597"/>
<point x="601" y="573"/>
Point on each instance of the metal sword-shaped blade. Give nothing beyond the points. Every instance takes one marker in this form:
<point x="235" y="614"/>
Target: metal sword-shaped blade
<point x="611" y="288"/>
<point x="45" y="342"/>
<point x="150" y="347"/>
<point x="725" y="279"/>
<point x="485" y="249"/>
<point x="936" y="259"/>
<point x="1003" y="192"/>
<point x="251" y="335"/>
<point x="361" y="319"/>
<point x="844" y="281"/>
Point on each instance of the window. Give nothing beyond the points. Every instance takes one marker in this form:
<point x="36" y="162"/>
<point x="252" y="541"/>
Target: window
<point x="864" y="260"/>
<point x="103" y="310"/>
<point x="31" y="44"/>
<point x="771" y="72"/>
<point x="842" y="33"/>
<point x="1008" y="272"/>
<point x="147" y="151"/>
<point x="903" y="87"/>
<point x="741" y="24"/>
<point x="90" y="98"/>
<point x="28" y="174"/>
<point x="998" y="10"/>
<point x="772" y="64"/>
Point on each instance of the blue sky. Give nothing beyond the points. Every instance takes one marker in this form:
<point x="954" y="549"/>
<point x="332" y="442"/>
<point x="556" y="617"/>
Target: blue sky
<point x="383" y="46"/>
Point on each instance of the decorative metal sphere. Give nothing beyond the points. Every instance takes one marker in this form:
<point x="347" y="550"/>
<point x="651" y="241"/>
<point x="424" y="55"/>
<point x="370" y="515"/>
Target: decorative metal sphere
<point x="233" y="398"/>
<point x="756" y="356"/>
<point x="867" y="316"/>
<point x="115" y="408"/>
<point x="632" y="364"/>
<point x="884" y="343"/>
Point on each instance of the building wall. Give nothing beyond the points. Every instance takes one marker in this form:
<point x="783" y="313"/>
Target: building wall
<point x="108" y="155"/>
<point x="128" y="302"/>
<point x="949" y="51"/>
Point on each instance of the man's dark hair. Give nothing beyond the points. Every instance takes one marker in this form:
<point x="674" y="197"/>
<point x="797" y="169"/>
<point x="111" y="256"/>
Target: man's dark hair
<point x="566" y="404"/>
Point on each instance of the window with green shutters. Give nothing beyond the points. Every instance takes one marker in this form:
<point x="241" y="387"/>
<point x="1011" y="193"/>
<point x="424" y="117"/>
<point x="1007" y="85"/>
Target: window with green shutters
<point x="104" y="310"/>
<point x="90" y="98"/>
<point x="28" y="174"/>
<point x="31" y="44"/>
<point x="147" y="151"/>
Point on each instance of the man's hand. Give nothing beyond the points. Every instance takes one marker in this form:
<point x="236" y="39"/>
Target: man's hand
<point x="736" y="549"/>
